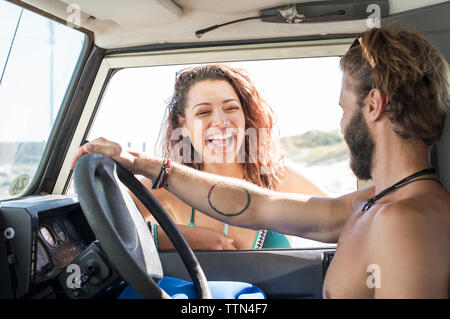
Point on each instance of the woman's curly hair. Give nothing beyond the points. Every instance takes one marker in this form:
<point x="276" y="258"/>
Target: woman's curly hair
<point x="264" y="170"/>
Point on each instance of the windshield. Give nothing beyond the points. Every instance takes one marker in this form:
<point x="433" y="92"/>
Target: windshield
<point x="37" y="60"/>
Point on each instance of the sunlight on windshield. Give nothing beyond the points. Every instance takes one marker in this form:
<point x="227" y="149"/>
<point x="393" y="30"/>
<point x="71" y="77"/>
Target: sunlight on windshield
<point x="37" y="60"/>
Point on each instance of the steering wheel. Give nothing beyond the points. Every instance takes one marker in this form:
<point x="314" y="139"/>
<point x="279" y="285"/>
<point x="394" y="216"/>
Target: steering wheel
<point x="123" y="234"/>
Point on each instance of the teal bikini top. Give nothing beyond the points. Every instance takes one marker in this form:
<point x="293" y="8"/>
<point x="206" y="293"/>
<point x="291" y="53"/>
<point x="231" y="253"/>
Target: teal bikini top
<point x="264" y="238"/>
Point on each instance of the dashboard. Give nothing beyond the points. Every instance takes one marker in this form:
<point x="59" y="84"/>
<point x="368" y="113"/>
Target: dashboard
<point x="41" y="237"/>
<point x="58" y="242"/>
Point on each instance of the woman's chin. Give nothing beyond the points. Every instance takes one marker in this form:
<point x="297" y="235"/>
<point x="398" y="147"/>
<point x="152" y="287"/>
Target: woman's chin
<point x="221" y="157"/>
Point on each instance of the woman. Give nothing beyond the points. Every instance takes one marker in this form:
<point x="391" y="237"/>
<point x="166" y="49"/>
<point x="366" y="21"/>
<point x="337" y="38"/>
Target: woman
<point x="217" y="122"/>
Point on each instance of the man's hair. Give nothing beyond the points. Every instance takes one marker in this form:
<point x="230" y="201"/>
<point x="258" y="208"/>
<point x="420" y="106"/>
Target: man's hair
<point x="410" y="71"/>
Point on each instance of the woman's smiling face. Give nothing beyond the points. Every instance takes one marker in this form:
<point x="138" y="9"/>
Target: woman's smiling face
<point x="215" y="121"/>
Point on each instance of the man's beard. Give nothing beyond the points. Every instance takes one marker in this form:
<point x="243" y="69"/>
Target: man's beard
<point x="361" y="145"/>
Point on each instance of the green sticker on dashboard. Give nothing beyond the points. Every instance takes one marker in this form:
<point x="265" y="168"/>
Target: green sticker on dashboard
<point x="19" y="184"/>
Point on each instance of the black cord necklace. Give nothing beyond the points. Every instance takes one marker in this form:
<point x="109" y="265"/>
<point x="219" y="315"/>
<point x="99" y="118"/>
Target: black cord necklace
<point x="403" y="182"/>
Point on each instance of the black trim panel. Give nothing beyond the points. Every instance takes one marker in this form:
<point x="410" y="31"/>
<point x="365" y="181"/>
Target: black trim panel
<point x="280" y="273"/>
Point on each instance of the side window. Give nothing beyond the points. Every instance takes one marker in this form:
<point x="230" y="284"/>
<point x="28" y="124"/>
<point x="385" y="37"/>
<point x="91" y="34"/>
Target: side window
<point x="304" y="94"/>
<point x="37" y="60"/>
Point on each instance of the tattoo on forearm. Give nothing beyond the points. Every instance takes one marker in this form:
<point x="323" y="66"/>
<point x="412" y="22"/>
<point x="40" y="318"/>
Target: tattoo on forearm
<point x="229" y="214"/>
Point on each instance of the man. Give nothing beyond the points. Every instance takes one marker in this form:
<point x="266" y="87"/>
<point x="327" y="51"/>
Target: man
<point x="394" y="245"/>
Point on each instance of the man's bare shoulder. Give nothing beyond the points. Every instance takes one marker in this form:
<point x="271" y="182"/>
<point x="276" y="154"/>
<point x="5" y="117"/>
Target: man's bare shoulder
<point x="410" y="244"/>
<point x="411" y="217"/>
<point x="398" y="218"/>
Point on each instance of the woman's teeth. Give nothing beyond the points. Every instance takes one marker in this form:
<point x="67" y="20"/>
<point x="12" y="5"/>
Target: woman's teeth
<point x="221" y="140"/>
<point x="220" y="137"/>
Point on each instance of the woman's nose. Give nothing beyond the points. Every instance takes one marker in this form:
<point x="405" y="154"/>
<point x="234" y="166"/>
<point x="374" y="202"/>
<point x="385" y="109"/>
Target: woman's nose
<point x="220" y="119"/>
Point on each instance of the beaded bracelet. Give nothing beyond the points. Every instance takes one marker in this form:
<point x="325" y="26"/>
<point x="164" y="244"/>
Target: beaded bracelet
<point x="155" y="235"/>
<point x="161" y="179"/>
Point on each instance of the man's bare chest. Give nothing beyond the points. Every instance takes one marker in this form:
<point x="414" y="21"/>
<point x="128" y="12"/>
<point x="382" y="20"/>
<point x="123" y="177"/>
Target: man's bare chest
<point x="347" y="275"/>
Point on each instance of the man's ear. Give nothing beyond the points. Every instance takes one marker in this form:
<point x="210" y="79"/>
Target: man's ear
<point x="377" y="103"/>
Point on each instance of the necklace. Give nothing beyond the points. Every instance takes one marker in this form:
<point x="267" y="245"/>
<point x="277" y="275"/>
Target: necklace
<point x="405" y="181"/>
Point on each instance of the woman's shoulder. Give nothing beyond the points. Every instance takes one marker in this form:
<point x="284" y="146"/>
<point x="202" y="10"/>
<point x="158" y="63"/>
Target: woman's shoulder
<point x="293" y="181"/>
<point x="161" y="195"/>
<point x="175" y="207"/>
